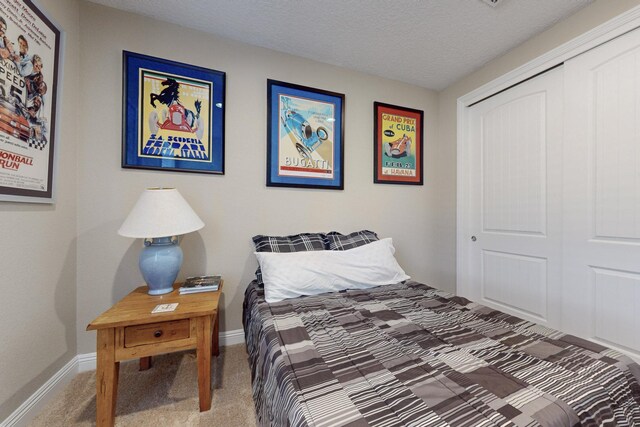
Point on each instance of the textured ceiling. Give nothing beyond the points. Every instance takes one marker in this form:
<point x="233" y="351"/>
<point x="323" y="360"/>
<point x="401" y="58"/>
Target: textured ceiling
<point x="430" y="43"/>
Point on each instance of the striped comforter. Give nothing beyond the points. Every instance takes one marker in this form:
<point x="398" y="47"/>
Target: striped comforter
<point x="409" y="354"/>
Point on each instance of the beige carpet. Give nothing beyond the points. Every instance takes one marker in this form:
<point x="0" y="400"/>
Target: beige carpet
<point x="165" y="395"/>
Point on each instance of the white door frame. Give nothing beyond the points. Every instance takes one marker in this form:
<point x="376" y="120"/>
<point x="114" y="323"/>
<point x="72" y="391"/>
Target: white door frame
<point x="611" y="29"/>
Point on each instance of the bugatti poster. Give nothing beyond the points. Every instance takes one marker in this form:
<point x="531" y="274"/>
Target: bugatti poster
<point x="397" y="144"/>
<point x="29" y="50"/>
<point x="174" y="116"/>
<point x="305" y="137"/>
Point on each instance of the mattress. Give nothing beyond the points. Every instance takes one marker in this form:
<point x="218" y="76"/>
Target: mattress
<point x="409" y="354"/>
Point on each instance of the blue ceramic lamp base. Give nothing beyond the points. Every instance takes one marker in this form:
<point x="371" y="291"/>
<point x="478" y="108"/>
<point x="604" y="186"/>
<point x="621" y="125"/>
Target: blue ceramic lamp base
<point x="160" y="262"/>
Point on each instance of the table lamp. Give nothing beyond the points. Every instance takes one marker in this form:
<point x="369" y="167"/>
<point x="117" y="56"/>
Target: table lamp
<point x="159" y="216"/>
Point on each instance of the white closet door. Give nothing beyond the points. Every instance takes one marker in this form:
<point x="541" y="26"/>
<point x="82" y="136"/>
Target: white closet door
<point x="602" y="194"/>
<point x="515" y="200"/>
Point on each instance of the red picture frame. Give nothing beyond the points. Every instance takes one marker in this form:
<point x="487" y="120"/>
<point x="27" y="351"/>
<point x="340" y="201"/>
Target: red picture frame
<point x="397" y="145"/>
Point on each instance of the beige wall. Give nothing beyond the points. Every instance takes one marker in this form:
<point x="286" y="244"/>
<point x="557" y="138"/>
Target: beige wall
<point x="577" y="24"/>
<point x="238" y="205"/>
<point x="38" y="247"/>
<point x="83" y="266"/>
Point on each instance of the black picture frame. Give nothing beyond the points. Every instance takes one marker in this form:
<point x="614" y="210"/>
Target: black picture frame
<point x="173" y="115"/>
<point x="398" y="145"/>
<point x="305" y="137"/>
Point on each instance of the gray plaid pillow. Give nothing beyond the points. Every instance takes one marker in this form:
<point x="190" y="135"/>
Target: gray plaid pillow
<point x="335" y="241"/>
<point x="294" y="243"/>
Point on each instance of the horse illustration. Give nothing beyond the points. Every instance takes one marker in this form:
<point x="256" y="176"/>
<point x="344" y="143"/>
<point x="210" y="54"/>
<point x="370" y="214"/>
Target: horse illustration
<point x="168" y="95"/>
<point x="177" y="117"/>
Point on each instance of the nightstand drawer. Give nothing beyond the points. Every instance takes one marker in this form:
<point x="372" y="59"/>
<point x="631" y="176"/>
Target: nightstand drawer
<point x="156" y="332"/>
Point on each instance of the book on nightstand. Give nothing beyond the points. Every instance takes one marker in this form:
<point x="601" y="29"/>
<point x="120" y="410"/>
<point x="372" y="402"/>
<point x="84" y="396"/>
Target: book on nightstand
<point x="200" y="284"/>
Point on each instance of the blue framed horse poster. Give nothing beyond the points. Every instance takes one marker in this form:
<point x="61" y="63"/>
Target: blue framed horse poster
<point x="173" y="115"/>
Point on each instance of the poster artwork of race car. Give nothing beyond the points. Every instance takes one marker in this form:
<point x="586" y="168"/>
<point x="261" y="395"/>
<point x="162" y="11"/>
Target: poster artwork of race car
<point x="397" y="144"/>
<point x="306" y="147"/>
<point x="176" y="111"/>
<point x="23" y="89"/>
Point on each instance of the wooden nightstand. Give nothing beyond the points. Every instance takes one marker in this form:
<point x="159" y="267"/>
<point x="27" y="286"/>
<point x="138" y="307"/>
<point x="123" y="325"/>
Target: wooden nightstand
<point x="128" y="330"/>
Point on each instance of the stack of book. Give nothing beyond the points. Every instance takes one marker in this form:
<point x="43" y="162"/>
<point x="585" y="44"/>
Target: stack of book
<point x="200" y="284"/>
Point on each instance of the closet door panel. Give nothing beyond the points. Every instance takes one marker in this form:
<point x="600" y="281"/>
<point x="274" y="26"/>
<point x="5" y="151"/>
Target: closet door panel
<point x="514" y="166"/>
<point x="616" y="307"/>
<point x="616" y="146"/>
<point x="601" y="295"/>
<point x="515" y="206"/>
<point x="518" y="282"/>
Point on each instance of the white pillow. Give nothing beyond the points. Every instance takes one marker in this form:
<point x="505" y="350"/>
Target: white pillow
<point x="293" y="274"/>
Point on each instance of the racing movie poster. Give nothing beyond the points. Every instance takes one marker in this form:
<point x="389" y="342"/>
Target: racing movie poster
<point x="29" y="49"/>
<point x="305" y="137"/>
<point x="397" y="144"/>
<point x="174" y="115"/>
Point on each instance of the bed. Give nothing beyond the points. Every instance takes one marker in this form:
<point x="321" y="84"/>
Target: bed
<point x="409" y="354"/>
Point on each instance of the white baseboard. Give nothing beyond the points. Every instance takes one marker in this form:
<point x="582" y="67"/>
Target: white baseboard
<point x="36" y="402"/>
<point x="80" y="363"/>
<point x="232" y="337"/>
<point x="86" y="362"/>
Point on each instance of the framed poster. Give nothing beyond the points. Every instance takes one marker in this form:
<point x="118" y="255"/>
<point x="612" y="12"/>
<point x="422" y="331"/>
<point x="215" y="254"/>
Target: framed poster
<point x="305" y="137"/>
<point x="29" y="55"/>
<point x="397" y="145"/>
<point x="173" y="115"/>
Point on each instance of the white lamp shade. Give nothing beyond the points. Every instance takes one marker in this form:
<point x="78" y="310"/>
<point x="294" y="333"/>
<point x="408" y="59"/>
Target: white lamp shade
<point x="160" y="212"/>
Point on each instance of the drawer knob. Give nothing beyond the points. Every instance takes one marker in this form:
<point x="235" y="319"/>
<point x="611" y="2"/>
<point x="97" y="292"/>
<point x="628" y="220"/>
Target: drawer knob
<point x="157" y="334"/>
